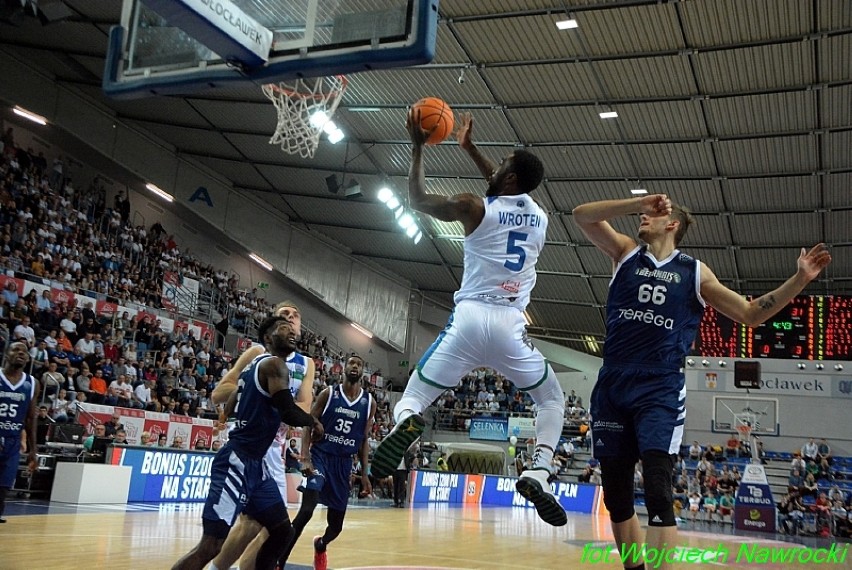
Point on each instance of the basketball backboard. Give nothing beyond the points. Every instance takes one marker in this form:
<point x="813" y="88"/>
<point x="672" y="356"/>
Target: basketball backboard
<point x="151" y="54"/>
<point x="761" y="413"/>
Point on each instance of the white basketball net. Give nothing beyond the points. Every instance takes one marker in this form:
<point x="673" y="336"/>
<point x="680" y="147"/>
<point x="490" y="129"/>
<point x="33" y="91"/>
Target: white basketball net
<point x="296" y="104"/>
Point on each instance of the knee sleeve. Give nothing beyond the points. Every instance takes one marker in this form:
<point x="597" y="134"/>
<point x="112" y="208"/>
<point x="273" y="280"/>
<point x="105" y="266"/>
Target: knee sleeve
<point x="617" y="483"/>
<point x="657" y="467"/>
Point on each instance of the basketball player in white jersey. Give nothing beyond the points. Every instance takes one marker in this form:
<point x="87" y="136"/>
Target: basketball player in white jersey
<point x="248" y="535"/>
<point x="504" y="234"/>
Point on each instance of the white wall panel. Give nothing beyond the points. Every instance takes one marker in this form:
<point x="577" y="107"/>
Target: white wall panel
<point x="379" y="305"/>
<point x="318" y="268"/>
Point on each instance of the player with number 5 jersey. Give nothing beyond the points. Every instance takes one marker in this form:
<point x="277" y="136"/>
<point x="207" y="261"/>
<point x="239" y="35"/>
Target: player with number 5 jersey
<point x="504" y="235"/>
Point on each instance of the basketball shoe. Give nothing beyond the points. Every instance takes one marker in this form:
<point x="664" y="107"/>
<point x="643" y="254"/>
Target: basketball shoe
<point x="533" y="486"/>
<point x="320" y="557"/>
<point x="393" y="446"/>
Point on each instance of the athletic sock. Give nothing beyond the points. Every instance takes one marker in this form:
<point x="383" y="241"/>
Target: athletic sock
<point x="319" y="545"/>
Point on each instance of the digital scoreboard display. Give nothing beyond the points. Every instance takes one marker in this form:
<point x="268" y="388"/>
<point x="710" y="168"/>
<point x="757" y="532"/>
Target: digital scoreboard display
<point x="811" y="327"/>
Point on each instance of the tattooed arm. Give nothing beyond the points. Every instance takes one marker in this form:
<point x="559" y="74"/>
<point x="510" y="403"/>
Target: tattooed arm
<point x="754" y="312"/>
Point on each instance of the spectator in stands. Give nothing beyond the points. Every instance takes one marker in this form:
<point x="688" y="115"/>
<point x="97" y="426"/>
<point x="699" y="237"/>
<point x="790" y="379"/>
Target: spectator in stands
<point x="694" y="505"/>
<point x="638" y="482"/>
<point x="710" y="505"/>
<point x="120" y="437"/>
<point x="795" y="481"/>
<point x="177" y="442"/>
<point x="145" y="439"/>
<point x="824" y="451"/>
<point x="840" y="518"/>
<point x="162" y="440"/>
<point x="98" y="387"/>
<point x="24" y="332"/>
<point x="59" y="407"/>
<point x="69" y="327"/>
<point x="51" y="380"/>
<point x="810" y="486"/>
<point x="100" y="431"/>
<point x="124" y="392"/>
<point x="292" y="458"/>
<point x="113" y="425"/>
<point x="798" y="463"/>
<point x="695" y="451"/>
<point x="39" y="358"/>
<point x="810" y="450"/>
<point x="732" y="446"/>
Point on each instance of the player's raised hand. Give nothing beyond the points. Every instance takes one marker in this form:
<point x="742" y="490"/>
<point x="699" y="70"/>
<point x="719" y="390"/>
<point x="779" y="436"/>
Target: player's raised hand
<point x="464" y="131"/>
<point x="415" y="131"/>
<point x="655" y="205"/>
<point x="811" y="262"/>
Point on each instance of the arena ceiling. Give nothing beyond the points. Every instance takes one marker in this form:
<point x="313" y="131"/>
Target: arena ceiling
<point x="739" y="109"/>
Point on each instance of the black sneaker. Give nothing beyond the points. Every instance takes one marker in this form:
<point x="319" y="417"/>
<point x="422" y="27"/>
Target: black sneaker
<point x="533" y="486"/>
<point x="393" y="447"/>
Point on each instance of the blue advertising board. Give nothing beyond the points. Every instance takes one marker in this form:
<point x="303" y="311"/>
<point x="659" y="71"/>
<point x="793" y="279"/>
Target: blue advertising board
<point x="458" y="488"/>
<point x="490" y="428"/>
<point x="161" y="475"/>
<point x="575" y="497"/>
<point x="754" y="508"/>
<point x="438" y="487"/>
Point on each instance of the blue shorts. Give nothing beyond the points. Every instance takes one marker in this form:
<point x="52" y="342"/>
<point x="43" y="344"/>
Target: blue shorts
<point x="635" y="410"/>
<point x="239" y="484"/>
<point x="331" y="479"/>
<point x="10" y="454"/>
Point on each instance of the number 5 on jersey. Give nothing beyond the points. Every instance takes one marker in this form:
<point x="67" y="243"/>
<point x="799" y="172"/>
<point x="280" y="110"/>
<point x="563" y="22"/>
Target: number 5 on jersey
<point x="512" y="248"/>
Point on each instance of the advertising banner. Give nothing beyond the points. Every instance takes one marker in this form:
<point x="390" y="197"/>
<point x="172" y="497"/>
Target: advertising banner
<point x="522" y="428"/>
<point x="754" y="508"/>
<point x="490" y="428"/>
<point x="458" y="488"/>
<point x="162" y="474"/>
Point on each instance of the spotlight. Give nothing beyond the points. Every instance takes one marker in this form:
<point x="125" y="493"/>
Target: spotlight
<point x="690" y="362"/>
<point x="820" y="365"/>
<point x="705" y="362"/>
<point x="722" y="363"/>
<point x="838" y="367"/>
<point x="384" y="194"/>
<point x="331" y="183"/>
<point x="352" y="189"/>
<point x="801" y="366"/>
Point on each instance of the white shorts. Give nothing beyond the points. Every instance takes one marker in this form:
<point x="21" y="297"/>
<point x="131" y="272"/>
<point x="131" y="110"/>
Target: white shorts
<point x="481" y="334"/>
<point x="275" y="469"/>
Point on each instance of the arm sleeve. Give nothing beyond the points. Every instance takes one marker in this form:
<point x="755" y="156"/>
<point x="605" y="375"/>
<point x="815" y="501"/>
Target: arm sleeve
<point x="291" y="414"/>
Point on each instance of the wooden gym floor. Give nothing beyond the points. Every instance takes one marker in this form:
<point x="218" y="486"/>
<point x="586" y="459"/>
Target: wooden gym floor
<point x="90" y="537"/>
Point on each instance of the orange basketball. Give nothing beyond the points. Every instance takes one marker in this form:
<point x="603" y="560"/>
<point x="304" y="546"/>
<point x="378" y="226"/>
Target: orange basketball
<point x="435" y="114"/>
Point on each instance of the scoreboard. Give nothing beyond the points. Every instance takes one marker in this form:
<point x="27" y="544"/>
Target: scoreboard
<point x="811" y="327"/>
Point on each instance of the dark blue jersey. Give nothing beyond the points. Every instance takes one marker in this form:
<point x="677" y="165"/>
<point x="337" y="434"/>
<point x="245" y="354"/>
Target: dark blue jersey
<point x="15" y="404"/>
<point x="257" y="419"/>
<point x="344" y="422"/>
<point x="653" y="310"/>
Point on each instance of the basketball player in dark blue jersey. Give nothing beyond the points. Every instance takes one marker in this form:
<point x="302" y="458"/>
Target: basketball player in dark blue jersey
<point x="656" y="299"/>
<point x="238" y="480"/>
<point x="18" y="413"/>
<point x="346" y="411"/>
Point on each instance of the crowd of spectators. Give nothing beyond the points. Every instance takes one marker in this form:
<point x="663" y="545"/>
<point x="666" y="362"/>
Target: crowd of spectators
<point x="67" y="238"/>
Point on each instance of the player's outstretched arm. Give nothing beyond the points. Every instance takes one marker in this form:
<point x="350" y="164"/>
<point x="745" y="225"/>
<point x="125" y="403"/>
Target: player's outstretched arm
<point x="465" y="208"/>
<point x="228" y="383"/>
<point x="593" y="221"/>
<point x="485" y="166"/>
<point x="752" y="313"/>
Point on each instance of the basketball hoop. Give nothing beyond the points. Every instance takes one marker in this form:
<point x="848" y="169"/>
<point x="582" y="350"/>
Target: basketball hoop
<point x="745" y="431"/>
<point x="299" y="105"/>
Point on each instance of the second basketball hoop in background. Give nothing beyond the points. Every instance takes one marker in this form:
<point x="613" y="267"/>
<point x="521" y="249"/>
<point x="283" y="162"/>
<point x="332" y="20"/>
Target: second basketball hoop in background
<point x="305" y="108"/>
<point x="435" y="116"/>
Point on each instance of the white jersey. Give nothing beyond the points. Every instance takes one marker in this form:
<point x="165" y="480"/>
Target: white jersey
<point x="500" y="255"/>
<point x="274" y="461"/>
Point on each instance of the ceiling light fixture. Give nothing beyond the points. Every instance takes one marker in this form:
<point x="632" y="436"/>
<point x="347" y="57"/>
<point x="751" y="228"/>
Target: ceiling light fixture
<point x="21" y="112"/>
<point x="608" y="115"/>
<point x="384" y="194"/>
<point x="638" y="191"/>
<point x="260" y="261"/>
<point x="566" y="24"/>
<point x="362" y="330"/>
<point x="159" y="192"/>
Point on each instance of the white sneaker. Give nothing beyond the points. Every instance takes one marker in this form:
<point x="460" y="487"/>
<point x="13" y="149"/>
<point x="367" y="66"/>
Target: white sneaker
<point x="533" y="486"/>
